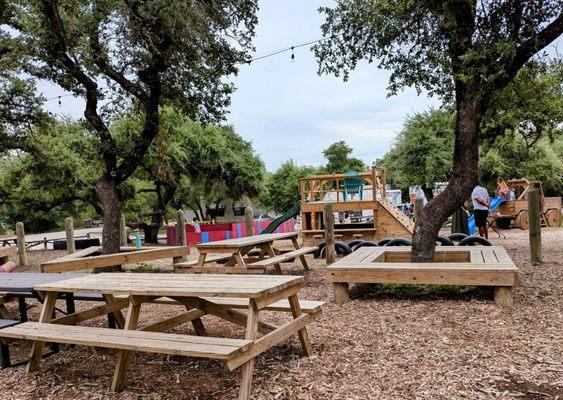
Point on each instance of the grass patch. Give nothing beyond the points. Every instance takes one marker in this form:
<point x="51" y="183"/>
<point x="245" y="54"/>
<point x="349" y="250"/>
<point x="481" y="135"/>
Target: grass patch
<point x="141" y="268"/>
<point x="545" y="290"/>
<point x="418" y="292"/>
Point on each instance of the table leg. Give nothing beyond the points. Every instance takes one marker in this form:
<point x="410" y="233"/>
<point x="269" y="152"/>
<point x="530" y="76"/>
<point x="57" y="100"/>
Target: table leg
<point x="302" y="256"/>
<point x="303" y="335"/>
<point x="240" y="260"/>
<point x="270" y="250"/>
<point x="22" y="306"/>
<point x="247" y="368"/>
<point x="118" y="316"/>
<point x="4" y="313"/>
<point x="201" y="259"/>
<point x="44" y="317"/>
<point x="124" y="356"/>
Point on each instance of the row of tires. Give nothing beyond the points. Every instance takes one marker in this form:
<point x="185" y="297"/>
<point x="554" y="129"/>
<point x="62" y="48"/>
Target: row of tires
<point x="461" y="239"/>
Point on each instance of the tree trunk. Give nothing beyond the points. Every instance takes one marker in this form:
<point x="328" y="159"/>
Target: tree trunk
<point x="151" y="233"/>
<point x="464" y="176"/>
<point x="106" y="189"/>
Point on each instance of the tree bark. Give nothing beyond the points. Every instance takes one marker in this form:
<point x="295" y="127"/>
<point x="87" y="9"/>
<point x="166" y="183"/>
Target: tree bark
<point x="106" y="189"/>
<point x="464" y="176"/>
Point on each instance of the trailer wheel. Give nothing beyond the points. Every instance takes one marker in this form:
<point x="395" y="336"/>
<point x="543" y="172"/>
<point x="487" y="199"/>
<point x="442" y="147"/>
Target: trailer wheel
<point x="365" y="243"/>
<point x="457" y="237"/>
<point x="399" y="242"/>
<point x="503" y="222"/>
<point x="444" y="241"/>
<point x="521" y="220"/>
<point x="475" y="241"/>
<point x="553" y="218"/>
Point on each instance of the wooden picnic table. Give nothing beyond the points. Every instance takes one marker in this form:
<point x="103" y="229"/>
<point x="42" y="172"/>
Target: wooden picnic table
<point x="20" y="285"/>
<point x="218" y="295"/>
<point x="232" y="252"/>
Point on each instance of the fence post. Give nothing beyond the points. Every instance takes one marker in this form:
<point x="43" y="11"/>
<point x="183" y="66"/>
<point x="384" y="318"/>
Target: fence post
<point x="181" y="238"/>
<point x="534" y="226"/>
<point x="122" y="231"/>
<point x="249" y="221"/>
<point x="418" y="205"/>
<point x="22" y="251"/>
<point x="69" y="229"/>
<point x="329" y="233"/>
<point x="45" y="242"/>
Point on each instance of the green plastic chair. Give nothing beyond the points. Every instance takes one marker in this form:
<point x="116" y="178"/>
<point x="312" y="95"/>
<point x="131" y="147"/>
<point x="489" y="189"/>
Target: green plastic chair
<point x="353" y="185"/>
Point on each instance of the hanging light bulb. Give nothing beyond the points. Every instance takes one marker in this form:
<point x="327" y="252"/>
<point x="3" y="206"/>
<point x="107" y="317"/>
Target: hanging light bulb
<point x="292" y="55"/>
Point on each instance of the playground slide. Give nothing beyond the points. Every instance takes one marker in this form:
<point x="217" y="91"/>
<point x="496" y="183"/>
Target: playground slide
<point x="293" y="211"/>
<point x="495" y="202"/>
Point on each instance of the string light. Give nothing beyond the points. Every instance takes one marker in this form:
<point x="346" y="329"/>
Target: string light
<point x="260" y="57"/>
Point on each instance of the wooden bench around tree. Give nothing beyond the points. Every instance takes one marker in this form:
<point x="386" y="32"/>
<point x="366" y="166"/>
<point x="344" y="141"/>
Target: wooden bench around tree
<point x="453" y="265"/>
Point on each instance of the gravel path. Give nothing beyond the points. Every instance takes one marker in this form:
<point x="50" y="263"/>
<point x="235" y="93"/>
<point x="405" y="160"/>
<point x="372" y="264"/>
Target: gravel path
<point x="428" y="346"/>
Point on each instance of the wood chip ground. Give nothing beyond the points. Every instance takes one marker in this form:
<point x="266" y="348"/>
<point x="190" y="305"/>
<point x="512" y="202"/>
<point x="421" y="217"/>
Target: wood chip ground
<point x="371" y="348"/>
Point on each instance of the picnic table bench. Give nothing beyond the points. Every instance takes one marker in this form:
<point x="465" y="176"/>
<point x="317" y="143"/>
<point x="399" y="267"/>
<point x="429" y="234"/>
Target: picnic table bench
<point x="472" y="266"/>
<point x="216" y="295"/>
<point x="91" y="257"/>
<point x="6" y="252"/>
<point x="232" y="252"/>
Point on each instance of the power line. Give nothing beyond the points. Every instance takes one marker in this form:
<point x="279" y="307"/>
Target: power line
<point x="260" y="57"/>
<point x="289" y="48"/>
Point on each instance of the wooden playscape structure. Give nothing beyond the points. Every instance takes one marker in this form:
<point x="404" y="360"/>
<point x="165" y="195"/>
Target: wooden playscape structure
<point x="517" y="209"/>
<point x="361" y="195"/>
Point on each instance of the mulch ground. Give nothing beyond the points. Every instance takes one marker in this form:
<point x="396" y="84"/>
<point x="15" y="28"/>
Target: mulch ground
<point x="428" y="346"/>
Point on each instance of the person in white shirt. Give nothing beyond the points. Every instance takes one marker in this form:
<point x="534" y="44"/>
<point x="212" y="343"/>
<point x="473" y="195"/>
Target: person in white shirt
<point x="196" y="226"/>
<point x="480" y="198"/>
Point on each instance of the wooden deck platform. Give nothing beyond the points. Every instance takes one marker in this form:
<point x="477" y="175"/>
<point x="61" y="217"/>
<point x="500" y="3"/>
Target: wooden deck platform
<point x="474" y="266"/>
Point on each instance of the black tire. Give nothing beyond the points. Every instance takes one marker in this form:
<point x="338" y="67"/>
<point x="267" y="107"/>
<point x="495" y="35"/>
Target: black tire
<point x="364" y="243"/>
<point x="475" y="241"/>
<point x="457" y="237"/>
<point x="399" y="242"/>
<point x="444" y="241"/>
<point x="383" y="242"/>
<point x="503" y="222"/>
<point x="354" y="243"/>
<point x="79" y="244"/>
<point x="341" y="248"/>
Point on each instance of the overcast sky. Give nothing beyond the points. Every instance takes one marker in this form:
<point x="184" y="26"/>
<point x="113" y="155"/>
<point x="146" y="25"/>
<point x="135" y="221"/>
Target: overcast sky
<point x="288" y="111"/>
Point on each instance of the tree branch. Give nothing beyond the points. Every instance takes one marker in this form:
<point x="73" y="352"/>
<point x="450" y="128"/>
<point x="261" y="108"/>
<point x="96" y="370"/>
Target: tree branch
<point x="51" y="13"/>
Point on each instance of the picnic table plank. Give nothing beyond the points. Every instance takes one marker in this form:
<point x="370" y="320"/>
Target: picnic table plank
<point x="246" y="241"/>
<point x="25" y="282"/>
<point x="162" y="285"/>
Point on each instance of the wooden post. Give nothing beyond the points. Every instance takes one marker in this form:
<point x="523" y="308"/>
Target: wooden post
<point x="249" y="221"/>
<point x="418" y="205"/>
<point x="45" y="242"/>
<point x="329" y="233"/>
<point x="181" y="238"/>
<point x="22" y="252"/>
<point x="535" y="226"/>
<point x="69" y="229"/>
<point x="122" y="231"/>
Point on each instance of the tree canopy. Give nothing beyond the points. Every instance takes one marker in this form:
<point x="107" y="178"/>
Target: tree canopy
<point x="422" y="153"/>
<point x="339" y="159"/>
<point x="132" y="55"/>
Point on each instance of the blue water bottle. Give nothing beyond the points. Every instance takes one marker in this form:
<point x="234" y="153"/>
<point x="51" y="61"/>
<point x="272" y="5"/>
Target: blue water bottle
<point x="138" y="241"/>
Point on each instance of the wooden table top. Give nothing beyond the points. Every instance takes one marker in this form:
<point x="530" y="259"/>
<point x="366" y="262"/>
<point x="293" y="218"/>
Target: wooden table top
<point x="179" y="285"/>
<point x="25" y="282"/>
<point x="247" y="241"/>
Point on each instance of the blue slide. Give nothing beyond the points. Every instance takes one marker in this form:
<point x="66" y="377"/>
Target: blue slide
<point x="495" y="202"/>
